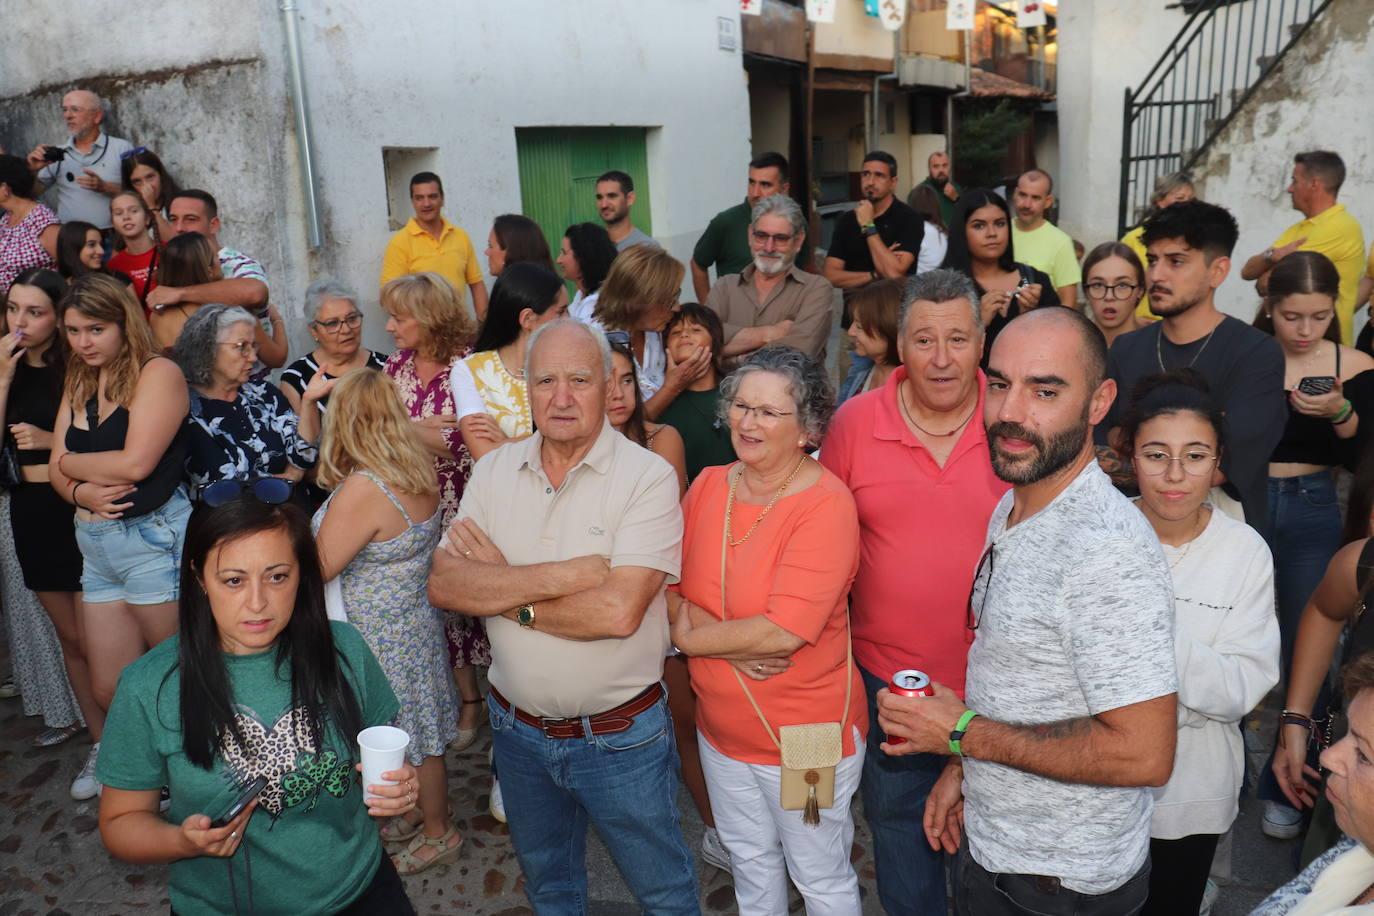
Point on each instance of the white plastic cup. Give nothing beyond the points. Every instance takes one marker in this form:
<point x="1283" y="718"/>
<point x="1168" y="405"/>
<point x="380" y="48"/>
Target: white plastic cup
<point x="382" y="748"/>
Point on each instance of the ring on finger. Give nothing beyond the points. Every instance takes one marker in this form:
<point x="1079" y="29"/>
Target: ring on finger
<point x="233" y="833"/>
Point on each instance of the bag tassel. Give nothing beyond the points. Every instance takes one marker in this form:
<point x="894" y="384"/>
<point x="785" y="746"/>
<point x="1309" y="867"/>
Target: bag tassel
<point x="811" y="815"/>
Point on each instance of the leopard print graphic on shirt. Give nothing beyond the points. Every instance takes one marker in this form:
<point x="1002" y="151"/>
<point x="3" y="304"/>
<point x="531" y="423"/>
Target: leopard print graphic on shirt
<point x="287" y="756"/>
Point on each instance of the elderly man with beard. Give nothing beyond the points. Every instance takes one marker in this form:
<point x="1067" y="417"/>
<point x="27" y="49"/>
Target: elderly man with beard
<point x="772" y="302"/>
<point x="1188" y="247"/>
<point x="1072" y="686"/>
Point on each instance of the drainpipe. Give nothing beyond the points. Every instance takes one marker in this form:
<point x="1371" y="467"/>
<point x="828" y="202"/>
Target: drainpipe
<point x="875" y="121"/>
<point x="300" y="107"/>
<point x="949" y="99"/>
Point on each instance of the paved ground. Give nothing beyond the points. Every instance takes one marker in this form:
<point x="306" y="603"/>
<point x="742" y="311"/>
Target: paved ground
<point x="52" y="862"/>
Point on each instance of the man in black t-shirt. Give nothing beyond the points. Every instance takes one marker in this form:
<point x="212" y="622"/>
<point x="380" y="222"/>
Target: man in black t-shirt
<point x="1189" y="248"/>
<point x="880" y="238"/>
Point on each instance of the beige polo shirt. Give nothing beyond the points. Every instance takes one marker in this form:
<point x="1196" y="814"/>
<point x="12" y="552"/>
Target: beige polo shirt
<point x="806" y="299"/>
<point x="620" y="502"/>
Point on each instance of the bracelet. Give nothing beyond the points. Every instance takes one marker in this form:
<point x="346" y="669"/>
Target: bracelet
<point x="78" y="486"/>
<point x="956" y="736"/>
<point x="1346" y="412"/>
<point x="1289" y="717"/>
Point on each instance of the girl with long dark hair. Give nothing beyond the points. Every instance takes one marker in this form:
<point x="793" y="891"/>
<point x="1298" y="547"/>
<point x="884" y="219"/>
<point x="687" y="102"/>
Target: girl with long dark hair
<point x="257" y="685"/>
<point x="142" y="171"/>
<point x="489" y="391"/>
<point x="585" y="258"/>
<point x="516" y="239"/>
<point x="980" y="246"/>
<point x="627" y="416"/>
<point x="80" y="250"/>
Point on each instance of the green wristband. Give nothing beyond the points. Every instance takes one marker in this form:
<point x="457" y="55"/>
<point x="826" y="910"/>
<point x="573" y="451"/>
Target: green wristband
<point x="956" y="736"/>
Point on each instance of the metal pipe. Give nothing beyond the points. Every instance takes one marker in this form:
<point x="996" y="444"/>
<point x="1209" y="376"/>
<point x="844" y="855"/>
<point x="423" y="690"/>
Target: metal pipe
<point x="875" y="130"/>
<point x="304" y="143"/>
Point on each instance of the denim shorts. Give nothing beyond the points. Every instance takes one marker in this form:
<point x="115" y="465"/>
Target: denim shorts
<point x="135" y="560"/>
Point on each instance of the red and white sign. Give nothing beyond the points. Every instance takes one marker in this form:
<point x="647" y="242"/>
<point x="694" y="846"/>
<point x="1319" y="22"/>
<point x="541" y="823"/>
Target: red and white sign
<point x="751" y="7"/>
<point x="959" y="14"/>
<point x="892" y="13"/>
<point x="1029" y="14"/>
<point x="820" y="10"/>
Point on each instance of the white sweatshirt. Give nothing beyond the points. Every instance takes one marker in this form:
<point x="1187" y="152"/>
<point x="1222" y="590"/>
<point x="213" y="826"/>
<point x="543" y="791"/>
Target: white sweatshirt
<point x="1226" y="636"/>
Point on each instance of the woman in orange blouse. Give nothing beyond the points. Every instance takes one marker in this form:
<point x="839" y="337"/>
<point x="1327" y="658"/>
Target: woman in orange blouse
<point x="793" y="549"/>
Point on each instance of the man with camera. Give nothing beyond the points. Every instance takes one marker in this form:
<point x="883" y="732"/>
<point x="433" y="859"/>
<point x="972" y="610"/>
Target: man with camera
<point x="86" y="170"/>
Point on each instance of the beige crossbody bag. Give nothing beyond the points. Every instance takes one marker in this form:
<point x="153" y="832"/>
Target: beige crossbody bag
<point x="810" y="752"/>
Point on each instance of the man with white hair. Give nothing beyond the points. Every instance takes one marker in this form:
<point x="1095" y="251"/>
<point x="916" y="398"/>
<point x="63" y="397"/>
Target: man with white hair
<point x="772" y="302"/>
<point x="564" y="542"/>
<point x="86" y="174"/>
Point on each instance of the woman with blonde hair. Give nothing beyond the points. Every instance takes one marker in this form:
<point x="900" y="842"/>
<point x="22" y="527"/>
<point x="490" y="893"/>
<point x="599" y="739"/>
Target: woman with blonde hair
<point x="636" y="301"/>
<point x="377" y="532"/>
<point x="432" y="328"/>
<point x="117" y="452"/>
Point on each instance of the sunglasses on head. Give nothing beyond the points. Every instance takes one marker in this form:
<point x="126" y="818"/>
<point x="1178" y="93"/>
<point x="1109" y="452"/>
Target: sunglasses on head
<point x="271" y="490"/>
<point x="618" y="337"/>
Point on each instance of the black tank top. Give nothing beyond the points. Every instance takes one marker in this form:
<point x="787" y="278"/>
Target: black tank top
<point x="35" y="395"/>
<point x="108" y="436"/>
<point x="1309" y="440"/>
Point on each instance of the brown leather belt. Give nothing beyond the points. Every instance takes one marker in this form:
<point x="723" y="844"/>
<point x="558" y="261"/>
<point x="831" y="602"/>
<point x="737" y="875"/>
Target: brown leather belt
<point x="609" y="722"/>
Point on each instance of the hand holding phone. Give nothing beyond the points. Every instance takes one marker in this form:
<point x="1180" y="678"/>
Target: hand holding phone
<point x="1316" y="385"/>
<point x="230" y="803"/>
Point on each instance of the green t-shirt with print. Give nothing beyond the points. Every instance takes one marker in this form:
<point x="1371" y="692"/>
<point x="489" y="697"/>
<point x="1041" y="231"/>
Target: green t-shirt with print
<point x="311" y="845"/>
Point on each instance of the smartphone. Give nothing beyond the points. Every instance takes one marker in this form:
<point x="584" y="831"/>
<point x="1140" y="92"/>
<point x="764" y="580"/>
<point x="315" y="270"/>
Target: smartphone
<point x="1317" y="384"/>
<point x="237" y="800"/>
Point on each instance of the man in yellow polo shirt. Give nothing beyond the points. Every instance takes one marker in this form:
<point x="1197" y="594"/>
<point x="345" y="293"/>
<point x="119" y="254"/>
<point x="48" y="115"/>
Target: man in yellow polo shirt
<point x="1038" y="242"/>
<point x="430" y="242"/>
<point x="1327" y="228"/>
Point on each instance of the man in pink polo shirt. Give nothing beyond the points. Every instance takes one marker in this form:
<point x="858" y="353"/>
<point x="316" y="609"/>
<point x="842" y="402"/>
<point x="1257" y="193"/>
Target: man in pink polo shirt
<point x="915" y="456"/>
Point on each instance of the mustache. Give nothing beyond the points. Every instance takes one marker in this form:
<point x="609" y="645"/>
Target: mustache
<point x="1006" y="430"/>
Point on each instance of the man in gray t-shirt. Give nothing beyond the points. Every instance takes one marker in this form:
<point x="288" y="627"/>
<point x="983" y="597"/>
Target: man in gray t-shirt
<point x="1072" y="683"/>
<point x="615" y="195"/>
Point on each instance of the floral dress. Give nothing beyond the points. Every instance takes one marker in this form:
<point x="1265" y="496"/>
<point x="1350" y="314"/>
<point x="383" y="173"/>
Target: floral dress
<point x="467" y="637"/>
<point x="252" y="436"/>
<point x="19" y="245"/>
<point x="385" y="593"/>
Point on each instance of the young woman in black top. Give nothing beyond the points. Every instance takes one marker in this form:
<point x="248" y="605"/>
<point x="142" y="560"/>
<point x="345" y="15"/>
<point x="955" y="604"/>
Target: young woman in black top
<point x="117" y="455"/>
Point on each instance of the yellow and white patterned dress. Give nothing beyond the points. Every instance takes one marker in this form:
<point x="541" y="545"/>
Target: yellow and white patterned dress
<point x="482" y="384"/>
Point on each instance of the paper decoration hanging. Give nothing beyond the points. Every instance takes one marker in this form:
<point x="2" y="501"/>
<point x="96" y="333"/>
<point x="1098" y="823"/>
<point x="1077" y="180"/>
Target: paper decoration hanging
<point x="820" y="10"/>
<point x="892" y="13"/>
<point x="959" y="14"/>
<point x="751" y="7"/>
<point x="1029" y="14"/>
<point x="871" y="7"/>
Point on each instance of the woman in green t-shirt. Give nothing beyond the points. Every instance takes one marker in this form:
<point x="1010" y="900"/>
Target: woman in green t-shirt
<point x="258" y="683"/>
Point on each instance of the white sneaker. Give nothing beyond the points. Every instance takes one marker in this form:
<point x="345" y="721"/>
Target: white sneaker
<point x="1281" y="821"/>
<point x="86" y="785"/>
<point x="497" y="807"/>
<point x="713" y="851"/>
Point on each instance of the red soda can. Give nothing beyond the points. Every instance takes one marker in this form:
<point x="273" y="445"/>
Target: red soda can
<point x="909" y="683"/>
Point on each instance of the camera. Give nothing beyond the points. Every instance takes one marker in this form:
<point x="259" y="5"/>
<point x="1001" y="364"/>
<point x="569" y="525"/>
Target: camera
<point x="53" y="153"/>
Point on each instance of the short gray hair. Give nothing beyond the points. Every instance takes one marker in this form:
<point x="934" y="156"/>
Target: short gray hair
<point x="940" y="285"/>
<point x="324" y="289"/>
<point x="593" y="331"/>
<point x="779" y="205"/>
<point x="97" y="103"/>
<point x="807" y="383"/>
<point x="198" y="342"/>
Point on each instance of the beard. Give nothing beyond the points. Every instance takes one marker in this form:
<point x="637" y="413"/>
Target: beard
<point x="939" y="182"/>
<point x="1180" y="304"/>
<point x="771" y="267"/>
<point x="1051" y="454"/>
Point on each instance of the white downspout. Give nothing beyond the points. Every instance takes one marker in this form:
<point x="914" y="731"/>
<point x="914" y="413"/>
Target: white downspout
<point x="300" y="106"/>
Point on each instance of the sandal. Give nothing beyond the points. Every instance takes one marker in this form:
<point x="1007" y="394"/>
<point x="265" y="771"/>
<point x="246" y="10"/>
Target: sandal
<point x="52" y="737"/>
<point x="466" y="736"/>
<point x="400" y="828"/>
<point x="407" y="863"/>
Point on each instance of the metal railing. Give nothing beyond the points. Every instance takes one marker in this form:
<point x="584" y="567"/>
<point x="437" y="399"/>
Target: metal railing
<point x="1206" y="75"/>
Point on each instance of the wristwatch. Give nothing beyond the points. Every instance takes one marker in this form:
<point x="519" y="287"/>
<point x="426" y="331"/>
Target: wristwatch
<point x="868" y="229"/>
<point x="524" y="615"/>
<point x="1269" y="254"/>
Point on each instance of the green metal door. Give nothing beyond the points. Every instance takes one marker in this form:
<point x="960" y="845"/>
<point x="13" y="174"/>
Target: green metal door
<point x="558" y="171"/>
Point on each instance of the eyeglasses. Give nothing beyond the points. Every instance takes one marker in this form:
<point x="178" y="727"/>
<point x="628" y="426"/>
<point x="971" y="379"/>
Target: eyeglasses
<point x="334" y="325"/>
<point x="766" y="416"/>
<point x="618" y="337"/>
<point x="74" y="109"/>
<point x="779" y="238"/>
<point x="1155" y="462"/>
<point x="972" y="619"/>
<point x="133" y="152"/>
<point x="1099" y="290"/>
<point x="271" y="490"/>
<point x="241" y="347"/>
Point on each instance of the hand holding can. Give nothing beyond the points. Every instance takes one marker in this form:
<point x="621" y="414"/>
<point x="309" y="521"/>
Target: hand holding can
<point x="909" y="683"/>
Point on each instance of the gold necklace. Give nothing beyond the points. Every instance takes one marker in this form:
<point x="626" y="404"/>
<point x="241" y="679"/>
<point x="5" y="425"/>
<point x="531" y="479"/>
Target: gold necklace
<point x="1197" y="530"/>
<point x="901" y="401"/>
<point x="730" y="503"/>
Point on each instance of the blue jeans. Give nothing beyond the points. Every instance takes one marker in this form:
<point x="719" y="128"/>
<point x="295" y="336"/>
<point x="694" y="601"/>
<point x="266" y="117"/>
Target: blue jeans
<point x="625" y="784"/>
<point x="911" y="875"/>
<point x="1304" y="533"/>
<point x="135" y="560"/>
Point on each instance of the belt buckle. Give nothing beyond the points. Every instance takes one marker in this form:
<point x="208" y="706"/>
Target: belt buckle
<point x="545" y="723"/>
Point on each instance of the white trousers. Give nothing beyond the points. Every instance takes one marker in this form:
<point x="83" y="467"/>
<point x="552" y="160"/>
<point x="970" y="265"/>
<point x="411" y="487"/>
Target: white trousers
<point x="767" y="844"/>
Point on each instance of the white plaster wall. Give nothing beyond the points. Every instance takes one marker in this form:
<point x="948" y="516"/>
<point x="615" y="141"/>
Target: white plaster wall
<point x="1308" y="103"/>
<point x="854" y="32"/>
<point x="1107" y="46"/>
<point x="463" y="77"/>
